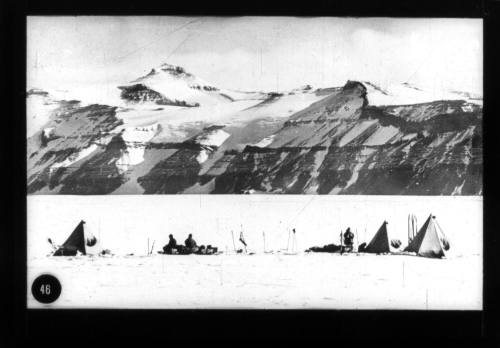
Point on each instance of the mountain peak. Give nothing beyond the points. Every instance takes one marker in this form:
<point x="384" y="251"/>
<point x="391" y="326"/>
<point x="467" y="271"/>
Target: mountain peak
<point x="355" y="85"/>
<point x="175" y="70"/>
<point x="170" y="69"/>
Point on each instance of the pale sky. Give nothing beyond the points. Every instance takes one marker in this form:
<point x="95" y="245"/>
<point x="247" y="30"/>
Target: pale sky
<point x="258" y="53"/>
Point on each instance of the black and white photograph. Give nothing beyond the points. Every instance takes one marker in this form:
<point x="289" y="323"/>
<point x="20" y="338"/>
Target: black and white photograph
<point x="255" y="162"/>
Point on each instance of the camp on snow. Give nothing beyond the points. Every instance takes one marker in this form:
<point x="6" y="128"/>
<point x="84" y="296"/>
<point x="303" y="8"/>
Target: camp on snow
<point x="81" y="240"/>
<point x="346" y="244"/>
<point x="379" y="243"/>
<point x="430" y="241"/>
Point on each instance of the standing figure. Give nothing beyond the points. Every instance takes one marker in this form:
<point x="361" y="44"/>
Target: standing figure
<point x="348" y="239"/>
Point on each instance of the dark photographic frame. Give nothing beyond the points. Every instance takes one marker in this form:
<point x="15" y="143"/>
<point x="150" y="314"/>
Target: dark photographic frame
<point x="166" y="326"/>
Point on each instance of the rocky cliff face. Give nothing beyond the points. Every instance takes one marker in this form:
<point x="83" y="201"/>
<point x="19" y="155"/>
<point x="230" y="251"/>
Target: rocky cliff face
<point x="330" y="141"/>
<point x="342" y="146"/>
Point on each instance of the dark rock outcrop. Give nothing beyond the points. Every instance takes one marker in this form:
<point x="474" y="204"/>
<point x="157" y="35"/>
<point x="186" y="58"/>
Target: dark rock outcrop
<point x="139" y="93"/>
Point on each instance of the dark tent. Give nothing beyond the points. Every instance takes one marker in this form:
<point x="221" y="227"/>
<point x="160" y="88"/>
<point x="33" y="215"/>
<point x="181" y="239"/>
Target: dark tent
<point x="430" y="240"/>
<point x="78" y="240"/>
<point x="380" y="242"/>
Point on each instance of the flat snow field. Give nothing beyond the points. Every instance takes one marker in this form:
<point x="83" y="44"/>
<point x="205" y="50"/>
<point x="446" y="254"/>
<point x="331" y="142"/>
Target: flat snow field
<point x="264" y="281"/>
<point x="275" y="281"/>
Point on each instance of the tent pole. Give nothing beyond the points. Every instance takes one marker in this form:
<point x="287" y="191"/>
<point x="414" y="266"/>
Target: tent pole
<point x="357" y="240"/>
<point x="264" y="238"/>
<point x="341" y="244"/>
<point x="415" y="226"/>
<point x="241" y="235"/>
<point x="408" y="235"/>
<point x="234" y="245"/>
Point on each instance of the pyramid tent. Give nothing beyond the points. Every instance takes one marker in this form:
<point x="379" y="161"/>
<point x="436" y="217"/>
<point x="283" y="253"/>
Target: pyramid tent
<point x="430" y="240"/>
<point x="80" y="240"/>
<point x="380" y="242"/>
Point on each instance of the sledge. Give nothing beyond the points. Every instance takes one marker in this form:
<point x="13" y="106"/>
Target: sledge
<point x="329" y="248"/>
<point x="181" y="250"/>
<point x="191" y="253"/>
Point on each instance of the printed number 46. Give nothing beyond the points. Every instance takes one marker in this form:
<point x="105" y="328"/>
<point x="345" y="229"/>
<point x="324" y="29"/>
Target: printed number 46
<point x="45" y="289"/>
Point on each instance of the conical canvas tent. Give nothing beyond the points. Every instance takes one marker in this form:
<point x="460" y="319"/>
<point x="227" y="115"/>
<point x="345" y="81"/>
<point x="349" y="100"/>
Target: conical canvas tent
<point x="380" y="242"/>
<point x="430" y="240"/>
<point x="80" y="240"/>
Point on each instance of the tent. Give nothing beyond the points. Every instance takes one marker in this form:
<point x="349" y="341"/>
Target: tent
<point x="430" y="240"/>
<point x="80" y="240"/>
<point x="380" y="242"/>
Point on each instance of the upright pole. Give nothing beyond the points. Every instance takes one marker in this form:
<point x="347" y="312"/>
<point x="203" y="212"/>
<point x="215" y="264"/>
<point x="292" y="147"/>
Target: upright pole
<point x="234" y="245"/>
<point x="241" y="235"/>
<point x="413" y="227"/>
<point x="341" y="244"/>
<point x="416" y="228"/>
<point x="264" y="238"/>
<point x="242" y="240"/>
<point x="409" y="228"/>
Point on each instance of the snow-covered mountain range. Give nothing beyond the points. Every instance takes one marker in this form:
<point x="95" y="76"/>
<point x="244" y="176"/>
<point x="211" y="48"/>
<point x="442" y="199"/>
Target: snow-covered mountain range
<point x="172" y="132"/>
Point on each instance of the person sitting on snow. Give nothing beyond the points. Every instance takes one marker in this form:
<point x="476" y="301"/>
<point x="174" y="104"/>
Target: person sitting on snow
<point x="172" y="244"/>
<point x="190" y="242"/>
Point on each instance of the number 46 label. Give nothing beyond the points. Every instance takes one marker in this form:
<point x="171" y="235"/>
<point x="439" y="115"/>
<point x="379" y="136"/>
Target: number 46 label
<point x="46" y="288"/>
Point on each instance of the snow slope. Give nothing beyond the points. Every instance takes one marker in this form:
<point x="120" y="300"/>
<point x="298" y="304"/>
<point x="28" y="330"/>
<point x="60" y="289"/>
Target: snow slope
<point x="39" y="108"/>
<point x="355" y="132"/>
<point x="135" y="139"/>
<point x="174" y="83"/>
<point x="75" y="157"/>
<point x="174" y="120"/>
<point x="382" y="136"/>
<point x="406" y="94"/>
